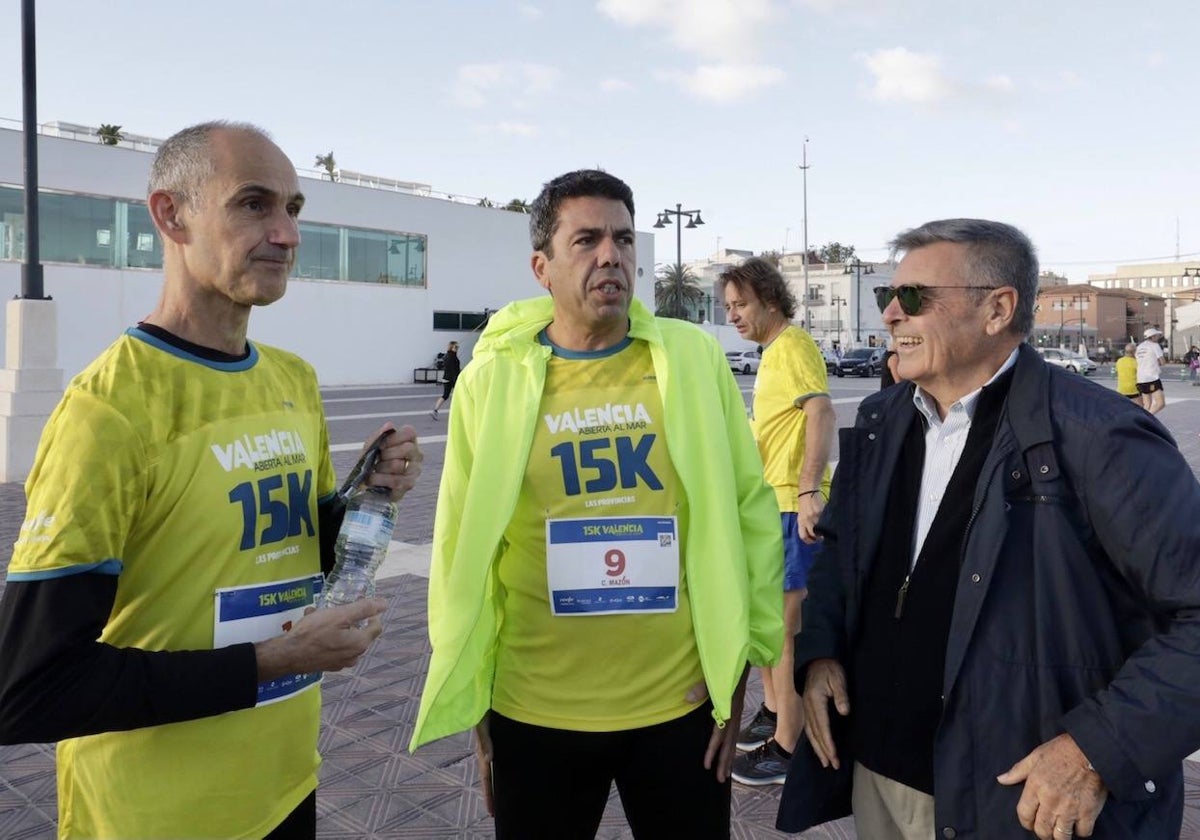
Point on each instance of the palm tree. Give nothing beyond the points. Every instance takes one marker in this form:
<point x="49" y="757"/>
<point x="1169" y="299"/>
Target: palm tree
<point x="484" y="202"/>
<point x="517" y="205"/>
<point x="675" y="287"/>
<point x="327" y="163"/>
<point x="110" y="135"/>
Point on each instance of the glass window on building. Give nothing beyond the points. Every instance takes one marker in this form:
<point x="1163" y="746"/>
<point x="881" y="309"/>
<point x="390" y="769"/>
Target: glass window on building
<point x="117" y="233"/>
<point x="381" y="257"/>
<point x="81" y="229"/>
<point x="12" y="224"/>
<point x="143" y="248"/>
<point x="406" y="259"/>
<point x="318" y="255"/>
<point x="367" y="257"/>
<point x="447" y="320"/>
<point x="460" y="321"/>
<point x="474" y="320"/>
<point x="77" y="229"/>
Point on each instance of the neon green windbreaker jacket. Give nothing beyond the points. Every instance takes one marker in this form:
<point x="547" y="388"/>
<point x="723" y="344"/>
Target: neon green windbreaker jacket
<point x="733" y="549"/>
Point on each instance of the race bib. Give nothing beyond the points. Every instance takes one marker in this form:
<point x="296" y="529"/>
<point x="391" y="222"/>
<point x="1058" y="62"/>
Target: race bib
<point x="262" y="611"/>
<point x="607" y="565"/>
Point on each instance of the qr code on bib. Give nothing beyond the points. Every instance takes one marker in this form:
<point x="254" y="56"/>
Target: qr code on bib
<point x="664" y="540"/>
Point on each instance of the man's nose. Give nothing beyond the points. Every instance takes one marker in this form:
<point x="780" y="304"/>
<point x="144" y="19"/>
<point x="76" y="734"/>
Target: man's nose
<point x="892" y="313"/>
<point x="285" y="230"/>
<point x="609" y="253"/>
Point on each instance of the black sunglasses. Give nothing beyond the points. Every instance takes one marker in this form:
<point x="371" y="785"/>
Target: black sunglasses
<point x="912" y="298"/>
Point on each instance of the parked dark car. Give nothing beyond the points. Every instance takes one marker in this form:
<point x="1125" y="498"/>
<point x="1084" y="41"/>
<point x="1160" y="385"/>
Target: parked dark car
<point x="863" y="361"/>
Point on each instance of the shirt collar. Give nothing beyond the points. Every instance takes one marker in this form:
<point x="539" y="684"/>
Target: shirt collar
<point x="925" y="404"/>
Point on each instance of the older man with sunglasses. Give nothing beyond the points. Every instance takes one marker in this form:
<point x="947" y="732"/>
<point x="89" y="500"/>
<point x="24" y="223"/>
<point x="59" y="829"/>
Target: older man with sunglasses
<point x="1007" y="643"/>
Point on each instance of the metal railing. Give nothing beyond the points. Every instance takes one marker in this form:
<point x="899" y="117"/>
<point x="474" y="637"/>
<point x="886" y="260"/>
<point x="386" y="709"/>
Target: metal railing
<point x="141" y="143"/>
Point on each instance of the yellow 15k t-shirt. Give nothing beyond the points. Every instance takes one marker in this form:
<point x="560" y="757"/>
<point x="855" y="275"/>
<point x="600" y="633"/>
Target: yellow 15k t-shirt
<point x="185" y="478"/>
<point x="598" y="465"/>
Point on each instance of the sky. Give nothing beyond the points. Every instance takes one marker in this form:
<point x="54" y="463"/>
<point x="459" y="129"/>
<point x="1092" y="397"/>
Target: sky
<point x="1075" y="120"/>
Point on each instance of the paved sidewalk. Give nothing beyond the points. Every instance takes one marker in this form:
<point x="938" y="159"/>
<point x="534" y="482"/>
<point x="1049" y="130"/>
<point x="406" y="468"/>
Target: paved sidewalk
<point x="371" y="787"/>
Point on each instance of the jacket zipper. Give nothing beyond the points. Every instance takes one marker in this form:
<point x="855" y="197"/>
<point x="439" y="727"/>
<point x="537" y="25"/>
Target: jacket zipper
<point x="903" y="591"/>
<point x="900" y="595"/>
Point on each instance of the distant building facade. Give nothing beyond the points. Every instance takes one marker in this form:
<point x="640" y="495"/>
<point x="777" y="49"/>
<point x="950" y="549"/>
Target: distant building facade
<point x="1178" y="283"/>
<point x="1098" y="319"/>
<point x="840" y="302"/>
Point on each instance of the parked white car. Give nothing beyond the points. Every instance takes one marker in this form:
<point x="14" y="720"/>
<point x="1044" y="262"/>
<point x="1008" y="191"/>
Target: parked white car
<point x="744" y="361"/>
<point x="831" y="360"/>
<point x="1067" y="359"/>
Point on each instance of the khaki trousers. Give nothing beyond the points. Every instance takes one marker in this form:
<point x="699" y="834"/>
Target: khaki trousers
<point x="887" y="810"/>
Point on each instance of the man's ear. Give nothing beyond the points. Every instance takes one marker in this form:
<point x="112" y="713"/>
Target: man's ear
<point x="1002" y="308"/>
<point x="538" y="263"/>
<point x="166" y="210"/>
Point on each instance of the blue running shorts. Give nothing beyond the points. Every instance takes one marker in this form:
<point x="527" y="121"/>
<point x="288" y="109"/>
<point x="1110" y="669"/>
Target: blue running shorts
<point x="798" y="555"/>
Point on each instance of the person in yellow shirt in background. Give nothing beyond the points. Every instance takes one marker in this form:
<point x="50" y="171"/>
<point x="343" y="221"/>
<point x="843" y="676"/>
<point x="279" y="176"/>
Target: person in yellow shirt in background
<point x="1127" y="374"/>
<point x="793" y="422"/>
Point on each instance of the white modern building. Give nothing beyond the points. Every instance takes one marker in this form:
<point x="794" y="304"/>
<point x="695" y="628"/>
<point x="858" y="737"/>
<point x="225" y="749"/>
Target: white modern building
<point x="842" y="312"/>
<point x="386" y="274"/>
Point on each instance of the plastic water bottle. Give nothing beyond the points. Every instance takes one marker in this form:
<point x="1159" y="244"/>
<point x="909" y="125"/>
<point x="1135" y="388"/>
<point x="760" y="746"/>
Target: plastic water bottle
<point x="361" y="545"/>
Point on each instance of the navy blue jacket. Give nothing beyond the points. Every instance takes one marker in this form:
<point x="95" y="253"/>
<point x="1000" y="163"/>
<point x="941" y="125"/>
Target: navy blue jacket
<point x="1077" y="608"/>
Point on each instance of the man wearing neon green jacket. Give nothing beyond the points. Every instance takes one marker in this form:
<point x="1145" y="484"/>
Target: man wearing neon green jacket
<point x="607" y="555"/>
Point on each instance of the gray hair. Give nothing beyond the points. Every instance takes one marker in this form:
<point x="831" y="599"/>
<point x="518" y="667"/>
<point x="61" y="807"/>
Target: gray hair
<point x="997" y="255"/>
<point x="184" y="161"/>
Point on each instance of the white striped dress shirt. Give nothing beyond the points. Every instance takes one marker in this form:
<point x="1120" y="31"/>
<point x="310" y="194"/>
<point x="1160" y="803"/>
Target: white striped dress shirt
<point x="944" y="444"/>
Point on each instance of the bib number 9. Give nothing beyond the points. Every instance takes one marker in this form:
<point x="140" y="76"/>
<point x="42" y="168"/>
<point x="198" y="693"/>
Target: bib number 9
<point x="615" y="560"/>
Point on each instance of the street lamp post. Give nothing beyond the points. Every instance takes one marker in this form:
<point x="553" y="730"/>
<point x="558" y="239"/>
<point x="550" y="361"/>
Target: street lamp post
<point x="693" y="221"/>
<point x="34" y="379"/>
<point x="804" y="257"/>
<point x="32" y="286"/>
<point x="1061" y="306"/>
<point x="1142" y="320"/>
<point x="1193" y="272"/>
<point x="1172" y="322"/>
<point x="858" y="269"/>
<point x="838" y="301"/>
<point x="1080" y="303"/>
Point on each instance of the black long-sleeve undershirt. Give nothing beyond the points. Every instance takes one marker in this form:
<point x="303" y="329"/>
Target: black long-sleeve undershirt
<point x="58" y="681"/>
